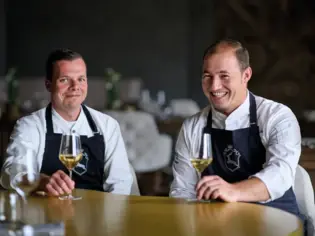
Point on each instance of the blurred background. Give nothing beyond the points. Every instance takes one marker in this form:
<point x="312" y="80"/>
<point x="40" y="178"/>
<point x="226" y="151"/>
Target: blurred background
<point x="144" y="64"/>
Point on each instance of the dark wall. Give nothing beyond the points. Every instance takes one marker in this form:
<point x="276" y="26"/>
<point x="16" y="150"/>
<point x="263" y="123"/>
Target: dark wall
<point x="148" y="39"/>
<point x="201" y="36"/>
<point x="2" y="38"/>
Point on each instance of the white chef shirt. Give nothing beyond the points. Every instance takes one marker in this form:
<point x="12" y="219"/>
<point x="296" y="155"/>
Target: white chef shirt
<point x="30" y="133"/>
<point x="279" y="133"/>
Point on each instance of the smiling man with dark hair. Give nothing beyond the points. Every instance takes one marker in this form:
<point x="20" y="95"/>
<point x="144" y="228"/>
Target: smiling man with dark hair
<point x="104" y="166"/>
<point x="256" y="142"/>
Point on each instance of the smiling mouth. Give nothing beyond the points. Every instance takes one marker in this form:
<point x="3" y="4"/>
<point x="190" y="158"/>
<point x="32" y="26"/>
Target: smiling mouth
<point x="71" y="96"/>
<point x="218" y="94"/>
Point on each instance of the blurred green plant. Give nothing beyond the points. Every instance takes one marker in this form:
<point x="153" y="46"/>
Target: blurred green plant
<point x="12" y="110"/>
<point x="112" y="79"/>
<point x="12" y="86"/>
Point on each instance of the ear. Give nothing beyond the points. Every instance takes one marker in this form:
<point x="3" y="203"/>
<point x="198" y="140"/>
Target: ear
<point x="247" y="74"/>
<point x="48" y="85"/>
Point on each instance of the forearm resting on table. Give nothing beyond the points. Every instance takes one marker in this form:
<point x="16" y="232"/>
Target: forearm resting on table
<point x="252" y="190"/>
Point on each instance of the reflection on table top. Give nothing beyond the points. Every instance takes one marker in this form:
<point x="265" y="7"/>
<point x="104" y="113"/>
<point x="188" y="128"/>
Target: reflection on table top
<point x="108" y="214"/>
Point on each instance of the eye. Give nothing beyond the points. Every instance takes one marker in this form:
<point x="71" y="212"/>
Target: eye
<point x="64" y="80"/>
<point x="224" y="77"/>
<point x="82" y="79"/>
<point x="206" y="77"/>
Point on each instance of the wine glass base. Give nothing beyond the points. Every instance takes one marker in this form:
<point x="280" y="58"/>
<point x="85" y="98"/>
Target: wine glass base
<point x="70" y="197"/>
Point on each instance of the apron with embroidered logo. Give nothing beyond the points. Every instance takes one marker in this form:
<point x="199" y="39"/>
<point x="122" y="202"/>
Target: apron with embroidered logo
<point x="238" y="154"/>
<point x="89" y="172"/>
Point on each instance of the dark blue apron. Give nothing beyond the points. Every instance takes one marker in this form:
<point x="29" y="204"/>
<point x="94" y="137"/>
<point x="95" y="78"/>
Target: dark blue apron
<point x="239" y="154"/>
<point x="89" y="173"/>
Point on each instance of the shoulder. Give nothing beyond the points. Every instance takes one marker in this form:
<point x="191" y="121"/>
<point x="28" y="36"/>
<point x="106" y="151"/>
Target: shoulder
<point x="271" y="110"/>
<point x="197" y="121"/>
<point x="273" y="115"/>
<point x="34" y="119"/>
<point x="30" y="126"/>
<point x="107" y="123"/>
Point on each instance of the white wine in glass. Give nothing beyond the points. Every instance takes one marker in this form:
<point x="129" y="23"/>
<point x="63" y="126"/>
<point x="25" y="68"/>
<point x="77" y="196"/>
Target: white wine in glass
<point x="70" y="161"/>
<point x="70" y="155"/>
<point x="200" y="161"/>
<point x="200" y="164"/>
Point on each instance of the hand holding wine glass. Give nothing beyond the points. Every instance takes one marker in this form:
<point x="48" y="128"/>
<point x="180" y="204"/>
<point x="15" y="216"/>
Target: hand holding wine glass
<point x="57" y="184"/>
<point x="70" y="155"/>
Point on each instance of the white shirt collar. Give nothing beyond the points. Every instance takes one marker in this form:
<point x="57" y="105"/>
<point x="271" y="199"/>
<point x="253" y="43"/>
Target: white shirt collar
<point x="242" y="110"/>
<point x="56" y="115"/>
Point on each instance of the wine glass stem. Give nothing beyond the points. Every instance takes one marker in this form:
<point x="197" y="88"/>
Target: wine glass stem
<point x="199" y="178"/>
<point x="23" y="210"/>
<point x="24" y="200"/>
<point x="70" y="174"/>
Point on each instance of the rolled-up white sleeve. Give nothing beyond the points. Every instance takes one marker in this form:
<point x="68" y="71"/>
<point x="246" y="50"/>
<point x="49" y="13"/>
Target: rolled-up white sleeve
<point x="185" y="176"/>
<point x="117" y="173"/>
<point x="283" y="150"/>
<point x="25" y="136"/>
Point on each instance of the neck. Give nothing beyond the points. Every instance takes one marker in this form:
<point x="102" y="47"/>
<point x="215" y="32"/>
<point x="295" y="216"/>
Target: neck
<point x="237" y="104"/>
<point x="69" y="114"/>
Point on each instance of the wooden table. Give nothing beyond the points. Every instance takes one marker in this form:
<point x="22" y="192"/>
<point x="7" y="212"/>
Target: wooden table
<point x="108" y="214"/>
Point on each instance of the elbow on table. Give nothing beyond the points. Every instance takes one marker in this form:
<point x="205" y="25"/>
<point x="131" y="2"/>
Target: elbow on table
<point x="276" y="185"/>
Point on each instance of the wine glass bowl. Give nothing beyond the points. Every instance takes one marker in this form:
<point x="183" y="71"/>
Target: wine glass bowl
<point x="70" y="161"/>
<point x="70" y="154"/>
<point x="24" y="174"/>
<point x="200" y="164"/>
<point x="25" y="183"/>
<point x="24" y="179"/>
<point x="201" y="157"/>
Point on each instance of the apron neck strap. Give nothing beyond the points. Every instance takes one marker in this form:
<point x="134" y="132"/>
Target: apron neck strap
<point x="90" y="119"/>
<point x="252" y="110"/>
<point x="252" y="114"/>
<point x="48" y="117"/>
<point x="49" y="124"/>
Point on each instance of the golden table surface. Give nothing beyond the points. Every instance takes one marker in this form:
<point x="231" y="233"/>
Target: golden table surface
<point x="100" y="213"/>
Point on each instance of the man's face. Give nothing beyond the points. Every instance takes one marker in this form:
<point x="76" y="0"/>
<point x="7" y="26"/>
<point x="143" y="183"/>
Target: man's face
<point x="223" y="82"/>
<point x="69" y="84"/>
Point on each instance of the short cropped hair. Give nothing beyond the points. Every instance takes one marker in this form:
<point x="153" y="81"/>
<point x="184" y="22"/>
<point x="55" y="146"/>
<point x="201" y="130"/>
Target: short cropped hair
<point x="241" y="52"/>
<point x="58" y="55"/>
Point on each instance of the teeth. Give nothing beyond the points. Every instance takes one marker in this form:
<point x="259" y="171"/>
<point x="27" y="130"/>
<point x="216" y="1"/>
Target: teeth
<point x="218" y="94"/>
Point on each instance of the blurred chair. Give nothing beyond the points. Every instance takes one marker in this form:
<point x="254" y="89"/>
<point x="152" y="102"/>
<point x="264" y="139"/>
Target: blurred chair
<point x="305" y="197"/>
<point x="130" y="90"/>
<point x="184" y="107"/>
<point x="134" y="188"/>
<point x="308" y="142"/>
<point x="147" y="149"/>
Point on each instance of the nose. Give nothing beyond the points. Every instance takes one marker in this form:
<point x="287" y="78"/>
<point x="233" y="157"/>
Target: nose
<point x="215" y="83"/>
<point x="75" y="85"/>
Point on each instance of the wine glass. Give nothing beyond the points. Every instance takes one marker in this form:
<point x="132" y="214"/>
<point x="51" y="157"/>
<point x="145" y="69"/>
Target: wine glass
<point x="201" y="157"/>
<point x="24" y="179"/>
<point x="24" y="174"/>
<point x="70" y="154"/>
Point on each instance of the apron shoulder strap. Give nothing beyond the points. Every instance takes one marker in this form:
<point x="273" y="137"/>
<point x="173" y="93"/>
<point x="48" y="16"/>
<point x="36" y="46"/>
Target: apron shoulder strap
<point x="90" y="119"/>
<point x="252" y="110"/>
<point x="49" y="124"/>
<point x="48" y="117"/>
